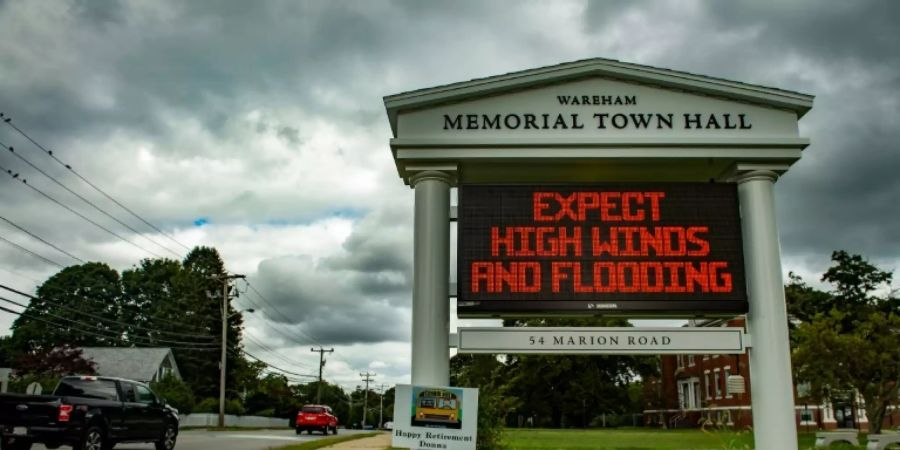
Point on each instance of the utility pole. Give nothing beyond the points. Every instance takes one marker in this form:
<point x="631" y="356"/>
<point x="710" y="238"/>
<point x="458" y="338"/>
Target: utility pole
<point x="322" y="352"/>
<point x="367" y="377"/>
<point x="381" y="406"/>
<point x="224" y="278"/>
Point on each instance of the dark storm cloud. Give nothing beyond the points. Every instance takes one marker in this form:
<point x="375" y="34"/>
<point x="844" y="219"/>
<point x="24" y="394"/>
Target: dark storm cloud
<point x="355" y="296"/>
<point x="844" y="53"/>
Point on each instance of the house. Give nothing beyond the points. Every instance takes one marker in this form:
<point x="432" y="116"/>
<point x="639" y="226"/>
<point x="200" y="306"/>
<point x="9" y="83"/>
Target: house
<point x="143" y="364"/>
<point x="693" y="390"/>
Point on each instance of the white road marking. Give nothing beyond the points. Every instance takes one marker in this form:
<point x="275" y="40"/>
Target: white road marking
<point x="259" y="436"/>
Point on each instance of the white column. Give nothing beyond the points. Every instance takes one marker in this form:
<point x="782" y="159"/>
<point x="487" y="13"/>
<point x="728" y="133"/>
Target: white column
<point x="770" y="362"/>
<point x="431" y="279"/>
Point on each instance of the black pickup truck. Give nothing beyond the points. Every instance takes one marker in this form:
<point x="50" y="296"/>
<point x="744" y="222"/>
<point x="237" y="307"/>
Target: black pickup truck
<point x="88" y="413"/>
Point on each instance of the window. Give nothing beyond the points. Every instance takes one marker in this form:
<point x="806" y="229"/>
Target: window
<point x="128" y="393"/>
<point x="708" y="381"/>
<point x="690" y="360"/>
<point x="727" y="374"/>
<point x="144" y="395"/>
<point x="680" y="360"/>
<point x="88" y="387"/>
<point x="718" y="379"/>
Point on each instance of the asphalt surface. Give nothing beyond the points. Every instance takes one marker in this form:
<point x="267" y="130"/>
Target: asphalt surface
<point x="230" y="440"/>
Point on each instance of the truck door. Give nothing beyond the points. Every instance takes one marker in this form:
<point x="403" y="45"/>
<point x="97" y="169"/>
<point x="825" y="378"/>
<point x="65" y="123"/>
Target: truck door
<point x="154" y="411"/>
<point x="133" y="418"/>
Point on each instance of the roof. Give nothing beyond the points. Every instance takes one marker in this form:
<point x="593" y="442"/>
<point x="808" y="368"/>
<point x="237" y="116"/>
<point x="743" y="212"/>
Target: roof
<point x="595" y="67"/>
<point x="133" y="363"/>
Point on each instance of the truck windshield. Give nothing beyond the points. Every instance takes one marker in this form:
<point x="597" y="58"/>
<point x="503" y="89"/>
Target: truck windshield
<point x="88" y="388"/>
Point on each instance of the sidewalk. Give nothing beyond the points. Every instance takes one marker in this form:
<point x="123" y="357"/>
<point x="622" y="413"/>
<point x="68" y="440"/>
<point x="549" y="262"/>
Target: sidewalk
<point x="380" y="442"/>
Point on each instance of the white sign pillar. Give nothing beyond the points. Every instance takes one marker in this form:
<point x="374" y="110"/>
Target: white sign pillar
<point x="431" y="279"/>
<point x="770" y="360"/>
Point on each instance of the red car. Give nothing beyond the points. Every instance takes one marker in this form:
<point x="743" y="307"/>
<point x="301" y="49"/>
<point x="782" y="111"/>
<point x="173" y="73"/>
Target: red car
<point x="316" y="417"/>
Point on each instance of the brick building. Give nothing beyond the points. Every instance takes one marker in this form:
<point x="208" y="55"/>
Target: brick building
<point x="693" y="390"/>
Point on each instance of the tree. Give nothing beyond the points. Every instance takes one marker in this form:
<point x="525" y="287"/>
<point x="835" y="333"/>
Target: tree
<point x="191" y="287"/>
<point x="569" y="390"/>
<point x="850" y="338"/>
<point x="67" y="309"/>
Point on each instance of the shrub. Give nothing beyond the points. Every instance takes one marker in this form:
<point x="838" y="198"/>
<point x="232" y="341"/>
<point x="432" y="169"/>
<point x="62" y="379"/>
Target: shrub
<point x="176" y="392"/>
<point x="234" y="406"/>
<point x="48" y="382"/>
<point x="208" y="405"/>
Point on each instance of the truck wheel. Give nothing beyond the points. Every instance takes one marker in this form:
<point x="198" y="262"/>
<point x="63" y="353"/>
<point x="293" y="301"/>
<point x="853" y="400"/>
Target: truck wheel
<point x="299" y="430"/>
<point x="93" y="439"/>
<point x="8" y="443"/>
<point x="334" y="430"/>
<point x="168" y="439"/>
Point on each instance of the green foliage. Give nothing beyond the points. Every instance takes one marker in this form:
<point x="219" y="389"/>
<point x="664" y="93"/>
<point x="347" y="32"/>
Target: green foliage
<point x="72" y="293"/>
<point x="562" y="391"/>
<point x="849" y="338"/>
<point x="234" y="406"/>
<point x="19" y="383"/>
<point x="176" y="392"/>
<point x="272" y="393"/>
<point x="207" y="405"/>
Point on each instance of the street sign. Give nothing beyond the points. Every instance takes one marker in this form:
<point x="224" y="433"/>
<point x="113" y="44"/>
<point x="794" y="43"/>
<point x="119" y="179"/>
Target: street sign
<point x="427" y="417"/>
<point x="671" y="249"/>
<point x="566" y="340"/>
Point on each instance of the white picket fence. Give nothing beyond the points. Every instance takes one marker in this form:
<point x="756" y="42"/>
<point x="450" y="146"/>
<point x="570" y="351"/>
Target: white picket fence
<point x="212" y="420"/>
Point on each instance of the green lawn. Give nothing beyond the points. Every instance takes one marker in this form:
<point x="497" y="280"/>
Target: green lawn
<point x="639" y="439"/>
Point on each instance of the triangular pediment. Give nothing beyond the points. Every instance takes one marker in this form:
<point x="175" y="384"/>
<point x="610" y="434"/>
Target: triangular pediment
<point x="575" y="73"/>
<point x="600" y="114"/>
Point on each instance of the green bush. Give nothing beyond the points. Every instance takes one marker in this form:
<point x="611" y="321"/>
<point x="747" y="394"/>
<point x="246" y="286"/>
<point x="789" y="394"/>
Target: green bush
<point x="176" y="392"/>
<point x="207" y="405"/>
<point x="235" y="407"/>
<point x="492" y="409"/>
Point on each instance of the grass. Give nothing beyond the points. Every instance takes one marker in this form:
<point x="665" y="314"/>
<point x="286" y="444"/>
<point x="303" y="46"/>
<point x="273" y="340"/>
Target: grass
<point x="325" y="442"/>
<point x="641" y="439"/>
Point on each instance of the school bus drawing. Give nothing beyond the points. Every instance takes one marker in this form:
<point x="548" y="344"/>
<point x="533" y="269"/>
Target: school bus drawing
<point x="437" y="408"/>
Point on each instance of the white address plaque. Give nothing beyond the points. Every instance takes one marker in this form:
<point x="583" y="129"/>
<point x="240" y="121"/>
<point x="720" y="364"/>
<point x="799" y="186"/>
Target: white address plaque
<point x="602" y="340"/>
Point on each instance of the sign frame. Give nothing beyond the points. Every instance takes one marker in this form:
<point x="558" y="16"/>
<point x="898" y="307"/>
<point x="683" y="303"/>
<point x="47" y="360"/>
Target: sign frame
<point x="603" y="340"/>
<point x="684" y="305"/>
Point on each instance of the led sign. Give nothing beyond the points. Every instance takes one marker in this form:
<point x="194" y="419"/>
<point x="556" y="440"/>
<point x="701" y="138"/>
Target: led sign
<point x="658" y="249"/>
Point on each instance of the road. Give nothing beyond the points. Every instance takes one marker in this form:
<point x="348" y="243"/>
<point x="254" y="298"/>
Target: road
<point x="231" y="440"/>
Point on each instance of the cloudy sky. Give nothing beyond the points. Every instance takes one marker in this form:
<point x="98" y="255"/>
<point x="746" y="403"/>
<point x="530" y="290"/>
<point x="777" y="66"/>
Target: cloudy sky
<point x="259" y="128"/>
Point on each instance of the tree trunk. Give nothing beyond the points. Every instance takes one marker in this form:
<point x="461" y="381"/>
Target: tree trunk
<point x="876" y="407"/>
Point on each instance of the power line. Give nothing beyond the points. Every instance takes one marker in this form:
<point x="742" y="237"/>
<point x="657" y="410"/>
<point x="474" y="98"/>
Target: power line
<point x="41" y="239"/>
<point x="32" y="253"/>
<point x="276" y="367"/>
<point x="97" y="333"/>
<point x="21" y="275"/>
<point x="92" y="204"/>
<point x="8" y="121"/>
<point x="283" y="316"/>
<point x="14" y="176"/>
<point x="273" y="352"/>
<point x="58" y="303"/>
